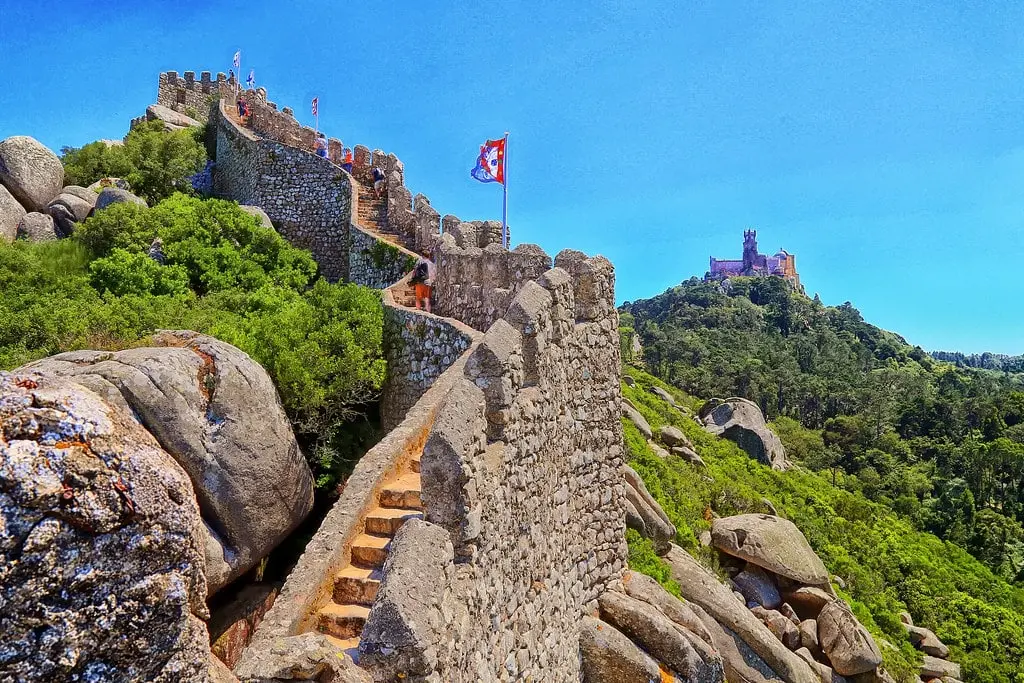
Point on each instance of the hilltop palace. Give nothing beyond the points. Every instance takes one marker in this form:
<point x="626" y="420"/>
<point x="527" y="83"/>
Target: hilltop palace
<point x="783" y="264"/>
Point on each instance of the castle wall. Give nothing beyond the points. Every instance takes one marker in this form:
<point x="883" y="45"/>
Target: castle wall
<point x="522" y="468"/>
<point x="419" y="348"/>
<point x="195" y="98"/>
<point x="308" y="198"/>
<point x="375" y="263"/>
<point x="476" y="285"/>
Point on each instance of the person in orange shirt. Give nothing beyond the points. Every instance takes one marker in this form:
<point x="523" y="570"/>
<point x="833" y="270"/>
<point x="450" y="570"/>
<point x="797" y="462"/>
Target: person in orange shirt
<point x="423" y="280"/>
<point x="346" y="160"/>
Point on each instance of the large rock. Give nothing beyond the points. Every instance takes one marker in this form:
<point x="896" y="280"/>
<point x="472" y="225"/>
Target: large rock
<point x="757" y="587"/>
<point x="933" y="667"/>
<point x="673" y="436"/>
<point x="742" y="422"/>
<point x="36" y="227"/>
<point x="656" y="524"/>
<point x="846" y="643"/>
<point x="608" y="655"/>
<point x="770" y="542"/>
<point x="678" y="649"/>
<point x="32" y="173"/>
<point x="742" y="664"/>
<point x="663" y="395"/>
<point x="637" y="419"/>
<point x="807" y="601"/>
<point x="217" y="412"/>
<point x="643" y="587"/>
<point x="171" y="119"/>
<point x="112" y="195"/>
<point x="305" y="657"/>
<point x="926" y="641"/>
<point x="72" y="205"/>
<point x="11" y="215"/>
<point x="101" y="554"/>
<point x="406" y="622"/>
<point x="257" y="213"/>
<point x="701" y="587"/>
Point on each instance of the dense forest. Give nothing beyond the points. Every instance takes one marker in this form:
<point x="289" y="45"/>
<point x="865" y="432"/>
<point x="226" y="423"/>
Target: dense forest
<point x="886" y="564"/>
<point x="999" y="362"/>
<point x="939" y="444"/>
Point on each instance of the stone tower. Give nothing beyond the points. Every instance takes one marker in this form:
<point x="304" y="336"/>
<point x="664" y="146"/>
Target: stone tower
<point x="749" y="250"/>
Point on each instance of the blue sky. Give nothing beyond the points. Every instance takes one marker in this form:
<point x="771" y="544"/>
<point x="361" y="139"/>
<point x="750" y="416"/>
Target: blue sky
<point x="883" y="144"/>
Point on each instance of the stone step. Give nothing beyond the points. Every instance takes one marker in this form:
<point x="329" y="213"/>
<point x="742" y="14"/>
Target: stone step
<point x="369" y="550"/>
<point x="356" y="585"/>
<point x="387" y="521"/>
<point x="415" y="461"/>
<point x="403" y="492"/>
<point x="349" y="645"/>
<point x="342" y="621"/>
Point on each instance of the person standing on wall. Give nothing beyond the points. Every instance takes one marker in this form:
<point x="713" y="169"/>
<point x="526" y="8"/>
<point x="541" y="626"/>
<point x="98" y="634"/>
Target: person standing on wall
<point x="321" y="145"/>
<point x="423" y="280"/>
<point x="346" y="160"/>
<point x="378" y="182"/>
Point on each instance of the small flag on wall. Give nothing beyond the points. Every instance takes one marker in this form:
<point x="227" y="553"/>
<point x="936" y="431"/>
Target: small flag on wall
<point x="490" y="165"/>
<point x="238" y="59"/>
<point x="251" y="81"/>
<point x="316" y="106"/>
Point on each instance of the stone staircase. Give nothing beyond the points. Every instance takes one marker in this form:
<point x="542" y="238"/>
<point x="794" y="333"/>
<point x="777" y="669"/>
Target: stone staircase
<point x="372" y="216"/>
<point x="356" y="585"/>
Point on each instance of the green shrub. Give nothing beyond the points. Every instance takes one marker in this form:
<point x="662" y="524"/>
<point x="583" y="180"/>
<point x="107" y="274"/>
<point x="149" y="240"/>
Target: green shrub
<point x="156" y="163"/>
<point x="124" y="272"/>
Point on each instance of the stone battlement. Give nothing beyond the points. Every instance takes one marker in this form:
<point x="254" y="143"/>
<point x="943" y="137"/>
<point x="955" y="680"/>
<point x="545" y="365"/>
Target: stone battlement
<point x="193" y="97"/>
<point x="522" y="469"/>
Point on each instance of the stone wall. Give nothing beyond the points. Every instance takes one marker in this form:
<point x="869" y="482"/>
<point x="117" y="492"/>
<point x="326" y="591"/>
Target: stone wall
<point x="375" y="263"/>
<point x="308" y="198"/>
<point x="195" y="98"/>
<point x="522" y="468"/>
<point x="476" y="285"/>
<point x="419" y="347"/>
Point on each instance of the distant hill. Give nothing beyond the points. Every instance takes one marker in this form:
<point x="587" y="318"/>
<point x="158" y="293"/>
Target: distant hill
<point x="939" y="443"/>
<point x="985" y="361"/>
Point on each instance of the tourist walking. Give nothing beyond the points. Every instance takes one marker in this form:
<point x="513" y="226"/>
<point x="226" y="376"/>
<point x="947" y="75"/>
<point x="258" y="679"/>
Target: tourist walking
<point x="346" y="162"/>
<point x="378" y="181"/>
<point x="423" y="280"/>
<point x="321" y="145"/>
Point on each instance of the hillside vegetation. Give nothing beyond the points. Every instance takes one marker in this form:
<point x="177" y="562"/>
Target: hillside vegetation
<point x="941" y="445"/>
<point x="887" y="564"/>
<point x="223" y="274"/>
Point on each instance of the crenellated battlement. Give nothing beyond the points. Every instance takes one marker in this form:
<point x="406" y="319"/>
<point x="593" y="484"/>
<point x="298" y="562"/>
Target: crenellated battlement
<point x="191" y="96"/>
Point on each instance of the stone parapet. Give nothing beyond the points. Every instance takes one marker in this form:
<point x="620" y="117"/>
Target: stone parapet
<point x="195" y="98"/>
<point x="308" y="198"/>
<point x="522" y="468"/>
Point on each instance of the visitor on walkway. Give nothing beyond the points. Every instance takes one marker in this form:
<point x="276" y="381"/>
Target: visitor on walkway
<point x="346" y="162"/>
<point x="423" y="280"/>
<point x="241" y="107"/>
<point x="378" y="181"/>
<point x="321" y="145"/>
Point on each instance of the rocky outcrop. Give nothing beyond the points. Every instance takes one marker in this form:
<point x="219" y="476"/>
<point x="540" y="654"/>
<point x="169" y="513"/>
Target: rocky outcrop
<point x="73" y="205"/>
<point x="101" y="557"/>
<point x="846" y="643"/>
<point x="305" y="657"/>
<point x="757" y="588"/>
<point x="36" y="227"/>
<point x="217" y="413"/>
<point x="664" y="395"/>
<point x="644" y="514"/>
<point x="770" y="542"/>
<point x="637" y="419"/>
<point x="171" y="119"/>
<point x="259" y="214"/>
<point x="30" y="171"/>
<point x="742" y="422"/>
<point x="676" y="648"/>
<point x="11" y="215"/>
<point x="673" y="436"/>
<point x="934" y="649"/>
<point x="607" y="654"/>
<point x="699" y="586"/>
<point x="112" y="195"/>
<point x="933" y="667"/>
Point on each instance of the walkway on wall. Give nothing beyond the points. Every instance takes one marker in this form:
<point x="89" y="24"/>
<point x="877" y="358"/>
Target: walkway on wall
<point x="355" y="585"/>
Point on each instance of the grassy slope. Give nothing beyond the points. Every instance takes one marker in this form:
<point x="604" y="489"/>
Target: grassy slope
<point x="888" y="566"/>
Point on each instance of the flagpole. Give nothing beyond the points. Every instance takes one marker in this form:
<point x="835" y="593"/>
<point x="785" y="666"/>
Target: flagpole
<point x="504" y="199"/>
